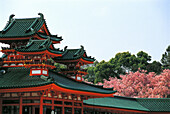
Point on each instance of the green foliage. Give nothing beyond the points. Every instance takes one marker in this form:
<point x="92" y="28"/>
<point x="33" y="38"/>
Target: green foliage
<point x="123" y="63"/>
<point x="142" y="59"/>
<point x="104" y="70"/>
<point x="126" y="62"/>
<point x="166" y="59"/>
<point x="59" y="67"/>
<point x="155" y="66"/>
<point x="90" y="77"/>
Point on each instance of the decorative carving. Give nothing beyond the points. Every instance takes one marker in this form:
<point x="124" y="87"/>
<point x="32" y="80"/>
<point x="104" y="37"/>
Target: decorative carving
<point x="65" y="48"/>
<point x="41" y="15"/>
<point x="11" y="17"/>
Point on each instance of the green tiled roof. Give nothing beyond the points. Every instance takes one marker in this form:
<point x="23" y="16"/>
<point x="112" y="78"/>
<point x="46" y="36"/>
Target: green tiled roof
<point x="155" y="104"/>
<point x="19" y="78"/>
<point x="73" y="54"/>
<point x="65" y="82"/>
<point x="38" y="46"/>
<point x="34" y="46"/>
<point x="22" y="27"/>
<point x="141" y="104"/>
<point x="16" y="28"/>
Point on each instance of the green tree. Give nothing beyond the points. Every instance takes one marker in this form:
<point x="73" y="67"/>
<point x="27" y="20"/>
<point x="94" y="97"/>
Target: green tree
<point x="143" y="60"/>
<point x="124" y="62"/>
<point x="166" y="59"/>
<point x="104" y="70"/>
<point x="90" y="77"/>
<point x="155" y="66"/>
<point x="121" y="64"/>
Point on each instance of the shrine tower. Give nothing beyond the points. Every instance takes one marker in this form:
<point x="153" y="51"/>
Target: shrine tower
<point x="28" y="82"/>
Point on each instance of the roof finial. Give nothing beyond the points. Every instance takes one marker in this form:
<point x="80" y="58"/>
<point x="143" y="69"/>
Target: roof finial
<point x="65" y="48"/>
<point x="11" y="17"/>
<point x="41" y="15"/>
<point x="82" y="47"/>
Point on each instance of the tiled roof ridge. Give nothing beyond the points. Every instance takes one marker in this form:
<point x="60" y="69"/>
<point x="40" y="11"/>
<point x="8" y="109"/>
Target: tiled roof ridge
<point x="8" y="26"/>
<point x="21" y="19"/>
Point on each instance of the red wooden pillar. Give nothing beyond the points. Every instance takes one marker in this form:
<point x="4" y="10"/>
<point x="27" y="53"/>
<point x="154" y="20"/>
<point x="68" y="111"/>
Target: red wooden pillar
<point x="41" y="105"/>
<point x="62" y="107"/>
<point x="0" y="105"/>
<point x="52" y="108"/>
<point x="82" y="108"/>
<point x="33" y="109"/>
<point x="73" y="107"/>
<point x="20" y="105"/>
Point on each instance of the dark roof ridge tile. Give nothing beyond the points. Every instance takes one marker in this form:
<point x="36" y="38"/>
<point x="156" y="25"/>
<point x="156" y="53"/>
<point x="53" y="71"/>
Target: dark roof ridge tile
<point x="33" y="18"/>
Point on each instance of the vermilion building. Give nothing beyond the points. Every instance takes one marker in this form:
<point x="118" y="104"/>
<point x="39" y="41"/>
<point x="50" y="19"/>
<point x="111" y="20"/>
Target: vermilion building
<point x="29" y="85"/>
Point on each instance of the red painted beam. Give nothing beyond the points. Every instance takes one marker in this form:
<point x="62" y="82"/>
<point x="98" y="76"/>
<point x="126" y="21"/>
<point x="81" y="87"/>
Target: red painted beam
<point x="39" y="53"/>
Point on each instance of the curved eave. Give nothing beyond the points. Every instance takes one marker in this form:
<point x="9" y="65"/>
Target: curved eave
<point x="88" y="59"/>
<point x="97" y="86"/>
<point x="54" y="87"/>
<point x="81" y="90"/>
<point x="55" y="39"/>
<point x="54" y="51"/>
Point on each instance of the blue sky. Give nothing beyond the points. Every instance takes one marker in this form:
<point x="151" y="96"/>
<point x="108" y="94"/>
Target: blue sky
<point x="103" y="27"/>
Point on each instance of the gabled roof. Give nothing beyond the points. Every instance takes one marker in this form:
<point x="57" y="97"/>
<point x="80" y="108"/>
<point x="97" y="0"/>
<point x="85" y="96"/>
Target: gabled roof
<point x="38" y="46"/>
<point x="19" y="78"/>
<point x="26" y="27"/>
<point x="141" y="104"/>
<point x="74" y="54"/>
<point x="21" y="27"/>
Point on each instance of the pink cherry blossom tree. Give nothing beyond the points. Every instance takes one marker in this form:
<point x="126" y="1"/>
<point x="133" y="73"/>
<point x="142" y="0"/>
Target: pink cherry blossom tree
<point x="141" y="85"/>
